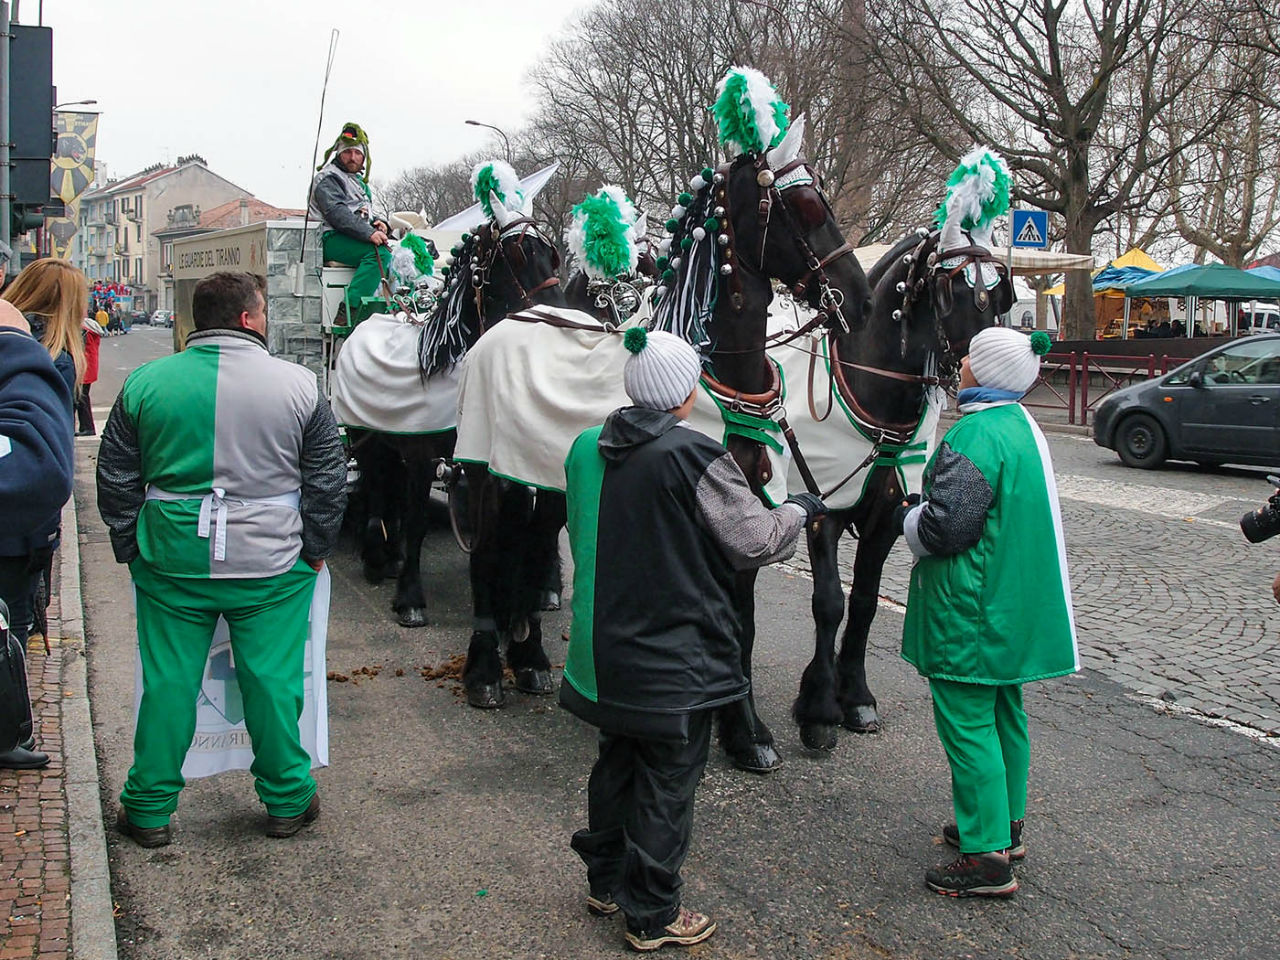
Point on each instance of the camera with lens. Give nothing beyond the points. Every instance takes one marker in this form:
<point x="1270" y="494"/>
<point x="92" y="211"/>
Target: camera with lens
<point x="1264" y="522"/>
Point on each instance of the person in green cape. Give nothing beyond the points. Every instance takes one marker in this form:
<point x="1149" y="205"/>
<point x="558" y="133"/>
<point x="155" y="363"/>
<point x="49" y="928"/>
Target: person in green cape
<point x="342" y="202"/>
<point x="989" y="607"/>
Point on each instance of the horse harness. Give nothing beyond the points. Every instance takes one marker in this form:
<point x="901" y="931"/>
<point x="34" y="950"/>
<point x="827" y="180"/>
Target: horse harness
<point x="491" y="249"/>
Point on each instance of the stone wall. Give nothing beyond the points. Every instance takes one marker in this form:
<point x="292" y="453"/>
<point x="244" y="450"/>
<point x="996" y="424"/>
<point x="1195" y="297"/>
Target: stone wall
<point x="293" y="329"/>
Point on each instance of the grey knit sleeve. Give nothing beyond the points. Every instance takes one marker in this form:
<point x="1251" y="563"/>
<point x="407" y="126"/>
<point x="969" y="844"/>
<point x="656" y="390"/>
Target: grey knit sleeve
<point x="953" y="517"/>
<point x="330" y="201"/>
<point x="121" y="492"/>
<point x="324" y="483"/>
<point x="750" y="534"/>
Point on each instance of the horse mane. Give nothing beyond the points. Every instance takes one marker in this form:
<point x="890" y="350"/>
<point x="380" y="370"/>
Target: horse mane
<point x="447" y="333"/>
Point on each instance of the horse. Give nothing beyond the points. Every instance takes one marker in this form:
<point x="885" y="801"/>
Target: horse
<point x="494" y="271"/>
<point x="930" y="296"/>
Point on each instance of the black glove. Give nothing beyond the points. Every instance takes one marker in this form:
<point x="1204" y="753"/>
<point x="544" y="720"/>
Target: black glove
<point x="811" y="503"/>
<point x="900" y="512"/>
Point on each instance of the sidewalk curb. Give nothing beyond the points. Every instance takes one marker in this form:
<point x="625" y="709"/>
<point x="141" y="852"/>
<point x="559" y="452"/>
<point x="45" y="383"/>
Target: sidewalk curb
<point x="93" y="928"/>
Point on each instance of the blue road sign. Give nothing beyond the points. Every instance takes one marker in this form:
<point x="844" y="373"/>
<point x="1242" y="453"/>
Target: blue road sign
<point x="1031" y="228"/>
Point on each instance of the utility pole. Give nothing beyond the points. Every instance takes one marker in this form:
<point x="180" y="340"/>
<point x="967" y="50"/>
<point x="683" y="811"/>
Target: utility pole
<point x="6" y="195"/>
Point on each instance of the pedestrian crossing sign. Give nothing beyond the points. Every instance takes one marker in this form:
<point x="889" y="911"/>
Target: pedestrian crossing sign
<point x="1031" y="228"/>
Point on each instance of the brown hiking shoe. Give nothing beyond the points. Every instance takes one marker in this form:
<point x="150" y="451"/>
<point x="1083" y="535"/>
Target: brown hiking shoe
<point x="685" y="930"/>
<point x="1017" y="849"/>
<point x="602" y="906"/>
<point x="973" y="875"/>
<point x="149" y="837"/>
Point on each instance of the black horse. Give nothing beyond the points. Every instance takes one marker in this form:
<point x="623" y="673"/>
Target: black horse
<point x="495" y="270"/>
<point x="924" y="310"/>
<point x="755" y="219"/>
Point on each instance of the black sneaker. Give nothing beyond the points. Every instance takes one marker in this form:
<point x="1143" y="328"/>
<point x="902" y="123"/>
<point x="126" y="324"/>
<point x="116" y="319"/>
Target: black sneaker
<point x="973" y="875"/>
<point x="149" y="837"/>
<point x="1017" y="849"/>
<point x="280" y="827"/>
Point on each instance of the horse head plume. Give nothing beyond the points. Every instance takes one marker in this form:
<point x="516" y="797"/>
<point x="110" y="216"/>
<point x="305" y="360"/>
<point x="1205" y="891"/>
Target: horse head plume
<point x="497" y="188"/>
<point x="601" y="234"/>
<point x="750" y="115"/>
<point x="977" y="193"/>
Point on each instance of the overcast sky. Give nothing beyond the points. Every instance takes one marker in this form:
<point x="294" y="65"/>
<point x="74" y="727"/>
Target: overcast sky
<point x="239" y="81"/>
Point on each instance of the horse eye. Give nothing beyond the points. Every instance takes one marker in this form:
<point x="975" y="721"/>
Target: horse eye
<point x="807" y="206"/>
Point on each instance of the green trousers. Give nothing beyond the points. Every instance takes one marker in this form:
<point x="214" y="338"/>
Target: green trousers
<point x="267" y="618"/>
<point x="364" y="257"/>
<point x="983" y="729"/>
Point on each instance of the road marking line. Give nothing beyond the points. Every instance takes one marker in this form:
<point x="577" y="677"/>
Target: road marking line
<point x="1144" y="498"/>
<point x="1163" y="706"/>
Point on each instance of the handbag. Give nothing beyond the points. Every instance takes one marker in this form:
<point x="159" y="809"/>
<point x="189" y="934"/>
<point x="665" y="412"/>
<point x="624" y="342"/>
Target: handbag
<point x="15" y="704"/>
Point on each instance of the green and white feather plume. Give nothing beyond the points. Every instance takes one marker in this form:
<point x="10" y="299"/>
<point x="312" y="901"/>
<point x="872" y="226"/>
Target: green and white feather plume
<point x="600" y="235"/>
<point x="496" y="176"/>
<point x="751" y="116"/>
<point x="977" y="193"/>
<point x="411" y="260"/>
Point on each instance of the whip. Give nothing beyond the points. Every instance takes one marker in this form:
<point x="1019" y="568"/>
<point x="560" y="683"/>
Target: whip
<point x="299" y="273"/>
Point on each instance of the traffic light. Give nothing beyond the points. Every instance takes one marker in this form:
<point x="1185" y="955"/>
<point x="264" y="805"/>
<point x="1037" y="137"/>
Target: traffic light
<point x="31" y="113"/>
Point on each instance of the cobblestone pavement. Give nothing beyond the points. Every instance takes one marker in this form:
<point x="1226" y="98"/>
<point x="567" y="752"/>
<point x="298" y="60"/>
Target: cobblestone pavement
<point x="35" y="865"/>
<point x="1170" y="600"/>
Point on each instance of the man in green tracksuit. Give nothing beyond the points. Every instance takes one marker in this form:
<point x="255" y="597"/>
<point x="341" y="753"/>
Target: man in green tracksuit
<point x="989" y="607"/>
<point x="342" y="202"/>
<point x="222" y="479"/>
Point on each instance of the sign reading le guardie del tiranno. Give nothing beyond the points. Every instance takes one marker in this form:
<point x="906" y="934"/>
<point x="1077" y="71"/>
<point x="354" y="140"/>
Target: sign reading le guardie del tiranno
<point x="198" y="257"/>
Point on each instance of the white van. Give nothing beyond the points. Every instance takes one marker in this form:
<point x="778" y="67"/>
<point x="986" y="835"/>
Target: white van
<point x="1259" y="318"/>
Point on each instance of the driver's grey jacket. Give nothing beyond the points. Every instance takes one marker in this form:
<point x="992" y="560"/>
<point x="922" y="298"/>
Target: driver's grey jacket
<point x="341" y="201"/>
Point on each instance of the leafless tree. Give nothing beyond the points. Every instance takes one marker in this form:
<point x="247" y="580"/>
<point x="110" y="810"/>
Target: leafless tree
<point x="1071" y="91"/>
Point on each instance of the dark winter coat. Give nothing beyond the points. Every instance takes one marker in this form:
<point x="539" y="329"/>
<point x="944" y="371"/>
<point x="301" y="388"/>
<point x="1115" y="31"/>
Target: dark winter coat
<point x="660" y="520"/>
<point x="36" y="463"/>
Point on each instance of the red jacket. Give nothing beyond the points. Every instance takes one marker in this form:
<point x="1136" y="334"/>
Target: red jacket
<point x="91" y="341"/>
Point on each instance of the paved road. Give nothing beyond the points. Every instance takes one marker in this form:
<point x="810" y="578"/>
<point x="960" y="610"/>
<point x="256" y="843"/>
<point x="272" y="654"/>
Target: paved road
<point x="444" y="830"/>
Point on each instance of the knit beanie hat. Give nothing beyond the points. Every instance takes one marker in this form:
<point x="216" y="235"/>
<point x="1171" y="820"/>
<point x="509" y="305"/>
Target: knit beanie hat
<point x="661" y="371"/>
<point x="350" y="137"/>
<point x="1006" y="359"/>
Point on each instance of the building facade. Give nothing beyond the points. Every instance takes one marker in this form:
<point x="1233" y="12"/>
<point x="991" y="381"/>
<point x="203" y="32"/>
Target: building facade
<point x="118" y="222"/>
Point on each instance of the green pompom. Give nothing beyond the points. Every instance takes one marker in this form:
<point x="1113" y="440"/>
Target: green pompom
<point x="707" y="174"/>
<point x="1040" y="343"/>
<point x="711" y="223"/>
<point x="466" y="237"/>
<point x="635" y="339"/>
<point x="686" y="243"/>
<point x="684" y="199"/>
<point x="668" y="275"/>
<point x="673" y="225"/>
<point x="663" y="263"/>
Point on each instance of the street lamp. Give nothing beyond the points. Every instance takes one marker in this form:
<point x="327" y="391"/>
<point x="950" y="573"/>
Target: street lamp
<point x="505" y="142"/>
<point x="75" y="103"/>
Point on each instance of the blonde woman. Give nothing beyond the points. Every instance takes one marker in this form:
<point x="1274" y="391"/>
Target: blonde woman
<point x="53" y="296"/>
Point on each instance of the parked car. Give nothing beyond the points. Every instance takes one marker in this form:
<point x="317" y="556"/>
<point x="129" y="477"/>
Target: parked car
<point x="162" y="318"/>
<point x="1221" y="407"/>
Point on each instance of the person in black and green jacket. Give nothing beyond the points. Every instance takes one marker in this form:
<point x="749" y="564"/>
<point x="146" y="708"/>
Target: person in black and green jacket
<point x="989" y="607"/>
<point x="660" y="519"/>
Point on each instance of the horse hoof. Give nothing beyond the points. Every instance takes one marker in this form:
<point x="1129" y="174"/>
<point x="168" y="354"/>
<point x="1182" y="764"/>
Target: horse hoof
<point x="536" y="682"/>
<point x="372" y="573"/>
<point x="485" y="696"/>
<point x="550" y="600"/>
<point x="818" y="736"/>
<point x="862" y="719"/>
<point x="755" y="758"/>
<point x="412" y="617"/>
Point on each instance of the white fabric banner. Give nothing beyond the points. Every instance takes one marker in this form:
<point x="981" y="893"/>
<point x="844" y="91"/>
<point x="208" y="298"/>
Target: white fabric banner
<point x="221" y="741"/>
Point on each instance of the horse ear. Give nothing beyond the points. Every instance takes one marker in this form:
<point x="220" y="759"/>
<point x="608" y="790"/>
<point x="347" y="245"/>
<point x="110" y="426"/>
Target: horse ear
<point x="640" y="229"/>
<point x="951" y="238"/>
<point x="501" y="215"/>
<point x="789" y="148"/>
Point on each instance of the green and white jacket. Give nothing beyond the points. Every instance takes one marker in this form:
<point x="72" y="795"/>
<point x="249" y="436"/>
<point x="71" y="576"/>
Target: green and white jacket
<point x="221" y="462"/>
<point x="990" y="599"/>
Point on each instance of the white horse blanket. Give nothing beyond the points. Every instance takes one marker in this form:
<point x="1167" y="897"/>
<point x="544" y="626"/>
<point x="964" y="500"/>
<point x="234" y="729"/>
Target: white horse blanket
<point x="377" y="384"/>
<point x="529" y="388"/>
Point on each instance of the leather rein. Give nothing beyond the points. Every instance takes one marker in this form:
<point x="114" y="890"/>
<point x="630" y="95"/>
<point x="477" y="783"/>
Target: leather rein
<point x="480" y="274"/>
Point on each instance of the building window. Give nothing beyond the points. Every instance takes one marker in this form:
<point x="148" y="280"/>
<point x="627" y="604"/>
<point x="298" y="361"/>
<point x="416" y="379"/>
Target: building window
<point x="139" y="226"/>
<point x="137" y="268"/>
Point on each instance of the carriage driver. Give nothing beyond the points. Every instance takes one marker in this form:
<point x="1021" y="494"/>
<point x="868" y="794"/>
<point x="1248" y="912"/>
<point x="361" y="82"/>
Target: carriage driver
<point x="342" y="201"/>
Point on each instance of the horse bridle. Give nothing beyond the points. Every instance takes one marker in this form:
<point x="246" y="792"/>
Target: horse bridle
<point x="491" y="249"/>
<point x="940" y="268"/>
